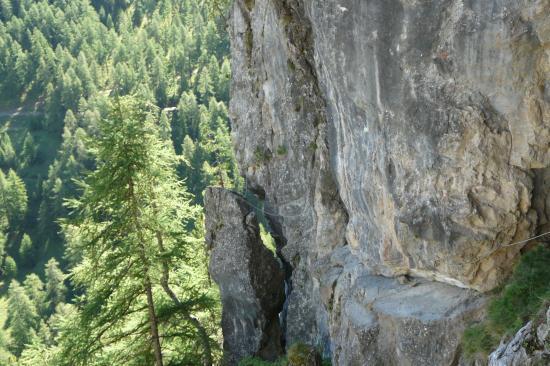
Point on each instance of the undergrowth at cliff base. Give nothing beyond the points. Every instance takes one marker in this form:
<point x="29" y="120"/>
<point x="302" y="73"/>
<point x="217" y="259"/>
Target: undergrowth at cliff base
<point x="299" y="354"/>
<point x="525" y="294"/>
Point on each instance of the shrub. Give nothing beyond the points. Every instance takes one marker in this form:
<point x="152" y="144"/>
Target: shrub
<point x="299" y="354"/>
<point x="261" y="155"/>
<point x="477" y="340"/>
<point x="254" y="361"/>
<point x="282" y="150"/>
<point x="518" y="302"/>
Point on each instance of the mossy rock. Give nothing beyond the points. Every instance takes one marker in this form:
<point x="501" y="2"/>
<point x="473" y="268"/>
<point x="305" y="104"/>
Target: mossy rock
<point x="300" y="354"/>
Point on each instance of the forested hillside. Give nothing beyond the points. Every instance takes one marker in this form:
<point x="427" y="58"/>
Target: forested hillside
<point x="91" y="91"/>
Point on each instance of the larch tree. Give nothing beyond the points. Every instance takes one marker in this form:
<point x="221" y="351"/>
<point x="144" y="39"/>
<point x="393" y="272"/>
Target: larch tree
<point x="55" y="285"/>
<point x="131" y="226"/>
<point x="22" y="318"/>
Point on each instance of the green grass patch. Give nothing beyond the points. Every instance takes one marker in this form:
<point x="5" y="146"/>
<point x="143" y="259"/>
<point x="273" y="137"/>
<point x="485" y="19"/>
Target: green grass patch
<point x="282" y="150"/>
<point x="518" y="302"/>
<point x="299" y="354"/>
<point x="254" y="361"/>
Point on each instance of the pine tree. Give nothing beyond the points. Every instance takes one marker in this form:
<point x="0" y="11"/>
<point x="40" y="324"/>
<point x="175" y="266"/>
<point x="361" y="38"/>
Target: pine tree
<point x="222" y="92"/>
<point x="28" y="156"/>
<point x="55" y="285"/>
<point x="34" y="288"/>
<point x="7" y="152"/>
<point x="26" y="251"/>
<point x="3" y="241"/>
<point x="22" y="318"/>
<point x="131" y="230"/>
<point x="188" y="117"/>
<point x="6" y="358"/>
<point x="6" y="10"/>
<point x="13" y="197"/>
<point x="10" y="268"/>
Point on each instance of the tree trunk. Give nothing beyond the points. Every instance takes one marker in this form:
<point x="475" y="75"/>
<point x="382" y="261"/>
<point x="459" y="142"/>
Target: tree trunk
<point x="203" y="335"/>
<point x="155" y="339"/>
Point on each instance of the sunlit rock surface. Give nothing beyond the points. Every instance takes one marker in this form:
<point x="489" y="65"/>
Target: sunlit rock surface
<point x="414" y="134"/>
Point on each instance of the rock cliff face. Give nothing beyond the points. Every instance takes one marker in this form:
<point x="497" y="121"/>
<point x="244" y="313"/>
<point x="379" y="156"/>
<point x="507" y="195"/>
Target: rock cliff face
<point x="391" y="139"/>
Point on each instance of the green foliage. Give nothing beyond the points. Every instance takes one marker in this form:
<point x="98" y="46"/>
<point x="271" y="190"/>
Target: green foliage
<point x="282" y="150"/>
<point x="262" y="155"/>
<point x="131" y="228"/>
<point x="61" y="65"/>
<point x="28" y="155"/>
<point x="34" y="288"/>
<point x="518" y="302"/>
<point x="22" y="318"/>
<point x="55" y="290"/>
<point x="7" y="152"/>
<point x="13" y="198"/>
<point x="10" y="267"/>
<point x="26" y="250"/>
<point x="253" y="361"/>
<point x="299" y="354"/>
<point x="477" y="339"/>
<point x="267" y="239"/>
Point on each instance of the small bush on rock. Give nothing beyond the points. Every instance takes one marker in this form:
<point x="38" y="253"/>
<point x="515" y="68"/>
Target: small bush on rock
<point x="254" y="361"/>
<point x="299" y="354"/>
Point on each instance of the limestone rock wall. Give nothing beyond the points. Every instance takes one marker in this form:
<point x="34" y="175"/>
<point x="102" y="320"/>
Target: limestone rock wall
<point x="393" y="138"/>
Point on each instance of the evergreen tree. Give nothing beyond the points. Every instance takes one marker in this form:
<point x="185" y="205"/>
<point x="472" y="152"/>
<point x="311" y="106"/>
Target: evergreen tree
<point x="3" y="240"/>
<point x="13" y="197"/>
<point x="6" y="10"/>
<point x="131" y="230"/>
<point x="68" y="59"/>
<point x="55" y="285"/>
<point x="28" y="155"/>
<point x="26" y="251"/>
<point x="10" y="267"/>
<point x="34" y="288"/>
<point x="7" y="152"/>
<point x="22" y="318"/>
<point x="6" y="358"/>
<point x="222" y="92"/>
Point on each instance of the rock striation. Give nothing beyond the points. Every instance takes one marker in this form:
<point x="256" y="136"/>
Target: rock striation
<point x="393" y="139"/>
<point x="250" y="278"/>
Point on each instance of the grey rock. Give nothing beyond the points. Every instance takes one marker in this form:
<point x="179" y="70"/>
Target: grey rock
<point x="250" y="278"/>
<point x="376" y="320"/>
<point x="415" y="139"/>
<point x="529" y="346"/>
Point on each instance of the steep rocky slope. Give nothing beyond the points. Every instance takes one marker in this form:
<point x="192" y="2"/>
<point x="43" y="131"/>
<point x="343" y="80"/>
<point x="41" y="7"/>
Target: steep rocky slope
<point x="395" y="142"/>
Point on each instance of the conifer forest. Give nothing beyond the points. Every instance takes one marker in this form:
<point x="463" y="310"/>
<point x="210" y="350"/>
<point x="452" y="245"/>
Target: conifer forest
<point x="113" y="120"/>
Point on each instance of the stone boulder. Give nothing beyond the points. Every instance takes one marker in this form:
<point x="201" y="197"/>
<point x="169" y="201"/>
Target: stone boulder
<point x="250" y="278"/>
